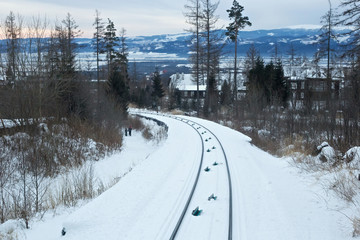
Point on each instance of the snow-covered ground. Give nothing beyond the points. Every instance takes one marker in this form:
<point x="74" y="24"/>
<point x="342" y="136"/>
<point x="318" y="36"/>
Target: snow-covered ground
<point x="271" y="200"/>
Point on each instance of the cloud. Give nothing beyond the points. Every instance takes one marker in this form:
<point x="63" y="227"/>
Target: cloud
<point x="144" y="17"/>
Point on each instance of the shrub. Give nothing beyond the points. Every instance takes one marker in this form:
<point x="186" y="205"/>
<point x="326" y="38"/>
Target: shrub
<point x="136" y="123"/>
<point x="345" y="187"/>
<point x="356" y="226"/>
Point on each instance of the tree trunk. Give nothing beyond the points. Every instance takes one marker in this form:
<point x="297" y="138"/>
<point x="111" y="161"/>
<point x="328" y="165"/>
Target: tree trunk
<point x="235" y="75"/>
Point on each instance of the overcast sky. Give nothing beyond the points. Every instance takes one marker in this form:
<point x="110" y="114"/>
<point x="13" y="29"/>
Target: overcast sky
<point x="150" y="17"/>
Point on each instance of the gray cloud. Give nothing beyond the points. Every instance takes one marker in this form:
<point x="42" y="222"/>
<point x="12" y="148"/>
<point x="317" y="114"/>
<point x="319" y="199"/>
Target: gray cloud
<point x="144" y="17"/>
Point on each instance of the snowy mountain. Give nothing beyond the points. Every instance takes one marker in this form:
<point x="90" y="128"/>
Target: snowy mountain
<point x="175" y="46"/>
<point x="304" y="41"/>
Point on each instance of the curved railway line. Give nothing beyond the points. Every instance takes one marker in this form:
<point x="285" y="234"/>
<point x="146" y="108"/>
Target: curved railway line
<point x="198" y="127"/>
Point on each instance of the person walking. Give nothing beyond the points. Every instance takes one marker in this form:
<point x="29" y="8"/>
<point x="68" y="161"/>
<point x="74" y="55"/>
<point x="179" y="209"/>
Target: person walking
<point x="130" y="128"/>
<point x="126" y="131"/>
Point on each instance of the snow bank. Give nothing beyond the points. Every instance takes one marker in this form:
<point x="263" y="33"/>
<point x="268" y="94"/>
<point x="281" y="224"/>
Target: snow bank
<point x="12" y="229"/>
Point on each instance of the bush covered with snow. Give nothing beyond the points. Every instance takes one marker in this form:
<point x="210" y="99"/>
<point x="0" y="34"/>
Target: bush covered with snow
<point x="326" y="153"/>
<point x="29" y="160"/>
<point x="338" y="176"/>
<point x="352" y="157"/>
<point x="12" y="230"/>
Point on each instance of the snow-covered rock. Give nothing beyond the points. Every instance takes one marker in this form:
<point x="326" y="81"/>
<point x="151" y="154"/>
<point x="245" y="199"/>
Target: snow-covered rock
<point x="326" y="153"/>
<point x="352" y="157"/>
<point x="264" y="133"/>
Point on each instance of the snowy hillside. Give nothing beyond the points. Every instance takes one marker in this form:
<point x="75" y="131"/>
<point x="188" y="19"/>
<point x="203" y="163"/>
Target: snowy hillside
<point x="175" y="46"/>
<point x="270" y="200"/>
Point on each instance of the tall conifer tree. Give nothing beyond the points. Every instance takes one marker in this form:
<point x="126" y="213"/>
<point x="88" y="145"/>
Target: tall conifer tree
<point x="111" y="41"/>
<point x="238" y="22"/>
<point x="157" y="88"/>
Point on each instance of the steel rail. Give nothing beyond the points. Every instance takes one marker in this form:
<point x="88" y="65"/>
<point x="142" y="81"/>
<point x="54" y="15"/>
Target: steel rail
<point x="179" y="222"/>
<point x="228" y="174"/>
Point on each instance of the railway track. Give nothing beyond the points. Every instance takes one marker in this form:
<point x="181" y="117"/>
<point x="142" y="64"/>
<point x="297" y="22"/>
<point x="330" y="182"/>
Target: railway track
<point x="202" y="132"/>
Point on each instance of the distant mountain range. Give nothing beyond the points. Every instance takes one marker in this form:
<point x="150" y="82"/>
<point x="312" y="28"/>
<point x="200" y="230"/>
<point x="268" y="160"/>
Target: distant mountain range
<point x="176" y="46"/>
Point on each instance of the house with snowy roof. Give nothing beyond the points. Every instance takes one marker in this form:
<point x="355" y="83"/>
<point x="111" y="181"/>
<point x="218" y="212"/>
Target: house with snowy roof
<point x="186" y="86"/>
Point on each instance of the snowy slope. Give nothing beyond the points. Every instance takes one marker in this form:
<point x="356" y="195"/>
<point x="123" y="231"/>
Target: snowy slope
<point x="270" y="200"/>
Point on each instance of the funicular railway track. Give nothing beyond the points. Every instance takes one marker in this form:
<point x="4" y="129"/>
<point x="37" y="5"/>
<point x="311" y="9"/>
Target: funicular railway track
<point x="201" y="130"/>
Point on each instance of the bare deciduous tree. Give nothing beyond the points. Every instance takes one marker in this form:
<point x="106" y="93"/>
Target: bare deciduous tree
<point x="193" y="16"/>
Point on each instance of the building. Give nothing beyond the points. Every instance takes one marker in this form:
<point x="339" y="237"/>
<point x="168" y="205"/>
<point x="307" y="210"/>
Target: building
<point x="186" y="86"/>
<point x="314" y="90"/>
<point x="302" y="91"/>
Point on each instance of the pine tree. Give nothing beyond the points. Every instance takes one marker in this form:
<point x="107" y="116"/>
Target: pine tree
<point x="122" y="56"/>
<point x="211" y="105"/>
<point x="111" y="41"/>
<point x="65" y="34"/>
<point x="267" y="85"/>
<point x="225" y="94"/>
<point x="118" y="90"/>
<point x="256" y="85"/>
<point x="67" y="89"/>
<point x="12" y="32"/>
<point x="238" y="22"/>
<point x="279" y="85"/>
<point x="157" y="89"/>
